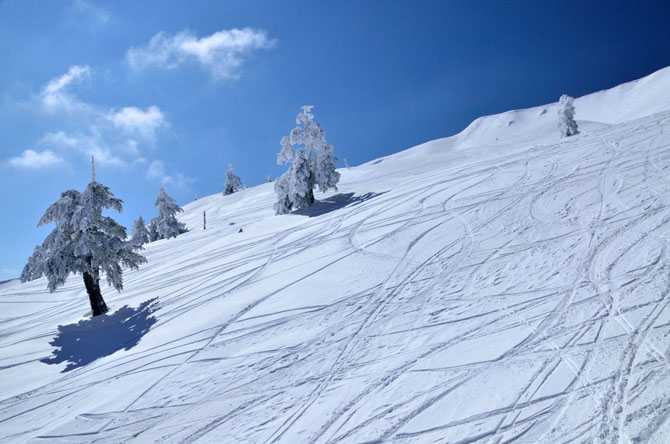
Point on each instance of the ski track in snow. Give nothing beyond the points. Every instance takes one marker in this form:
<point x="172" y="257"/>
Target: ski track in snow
<point x="517" y="293"/>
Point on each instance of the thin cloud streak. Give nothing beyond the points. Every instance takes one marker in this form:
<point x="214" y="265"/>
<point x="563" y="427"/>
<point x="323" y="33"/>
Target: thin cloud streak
<point x="156" y="172"/>
<point x="222" y="54"/>
<point x="55" y="98"/>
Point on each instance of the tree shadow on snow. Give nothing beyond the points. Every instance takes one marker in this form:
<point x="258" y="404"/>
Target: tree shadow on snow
<point x="84" y="342"/>
<point x="335" y="202"/>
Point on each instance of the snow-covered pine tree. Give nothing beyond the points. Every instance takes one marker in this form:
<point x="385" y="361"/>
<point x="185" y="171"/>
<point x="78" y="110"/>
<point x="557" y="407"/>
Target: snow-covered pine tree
<point x="84" y="241"/>
<point x="325" y="176"/>
<point x="233" y="182"/>
<point x="153" y="230"/>
<point x="166" y="224"/>
<point x="139" y="233"/>
<point x="312" y="164"/>
<point x="566" y="116"/>
<point x="295" y="187"/>
<point x="283" y="204"/>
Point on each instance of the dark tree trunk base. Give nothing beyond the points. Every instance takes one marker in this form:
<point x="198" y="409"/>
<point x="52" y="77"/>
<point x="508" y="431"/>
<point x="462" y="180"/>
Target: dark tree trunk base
<point x="98" y="305"/>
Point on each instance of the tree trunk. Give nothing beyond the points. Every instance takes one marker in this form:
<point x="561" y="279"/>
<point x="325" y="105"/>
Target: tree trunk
<point x="92" y="284"/>
<point x="310" y="197"/>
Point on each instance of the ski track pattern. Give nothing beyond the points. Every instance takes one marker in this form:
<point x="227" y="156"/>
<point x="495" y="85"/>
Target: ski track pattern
<point x="516" y="295"/>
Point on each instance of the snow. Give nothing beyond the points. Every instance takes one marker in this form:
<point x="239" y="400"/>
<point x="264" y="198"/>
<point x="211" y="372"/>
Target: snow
<point x="466" y="290"/>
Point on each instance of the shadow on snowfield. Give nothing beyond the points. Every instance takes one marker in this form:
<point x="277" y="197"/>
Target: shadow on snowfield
<point x="84" y="342"/>
<point x="335" y="202"/>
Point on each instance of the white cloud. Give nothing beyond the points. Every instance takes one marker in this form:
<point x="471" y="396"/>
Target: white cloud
<point x="221" y="53"/>
<point x="131" y="146"/>
<point x="95" y="12"/>
<point x="143" y="123"/>
<point x="74" y="74"/>
<point x="156" y="172"/>
<point x="55" y="98"/>
<point x="114" y="136"/>
<point x="34" y="160"/>
<point x="90" y="144"/>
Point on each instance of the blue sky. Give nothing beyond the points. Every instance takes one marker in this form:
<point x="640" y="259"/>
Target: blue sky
<point x="168" y="93"/>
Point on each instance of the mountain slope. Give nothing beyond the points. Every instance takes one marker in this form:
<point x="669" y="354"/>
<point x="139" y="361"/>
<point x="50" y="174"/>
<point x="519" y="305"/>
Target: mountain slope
<point x="467" y="290"/>
<point x="629" y="101"/>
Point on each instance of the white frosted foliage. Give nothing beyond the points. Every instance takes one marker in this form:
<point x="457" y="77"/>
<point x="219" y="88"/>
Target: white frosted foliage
<point x="566" y="116"/>
<point x="166" y="225"/>
<point x="139" y="234"/>
<point x="233" y="182"/>
<point x="83" y="240"/>
<point x="312" y="164"/>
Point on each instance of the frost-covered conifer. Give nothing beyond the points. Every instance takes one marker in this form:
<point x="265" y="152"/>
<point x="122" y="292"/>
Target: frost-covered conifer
<point x="233" y="182"/>
<point x="283" y="204"/>
<point x="153" y="230"/>
<point x="140" y="234"/>
<point x="325" y="176"/>
<point x="166" y="224"/>
<point x="566" y="116"/>
<point x="295" y="187"/>
<point x="84" y="241"/>
<point x="312" y="164"/>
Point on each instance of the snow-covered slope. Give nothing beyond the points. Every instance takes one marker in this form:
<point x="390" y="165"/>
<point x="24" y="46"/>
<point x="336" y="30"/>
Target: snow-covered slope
<point x="629" y="101"/>
<point x="513" y="290"/>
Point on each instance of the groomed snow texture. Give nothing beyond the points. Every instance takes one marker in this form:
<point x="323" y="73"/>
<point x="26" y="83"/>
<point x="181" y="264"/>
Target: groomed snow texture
<point x="504" y="284"/>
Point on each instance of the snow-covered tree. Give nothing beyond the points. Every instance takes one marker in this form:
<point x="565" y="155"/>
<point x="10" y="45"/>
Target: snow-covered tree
<point x="233" y="182"/>
<point x="283" y="204"/>
<point x="325" y="176"/>
<point x="139" y="234"/>
<point x="312" y="164"/>
<point x="295" y="187"/>
<point x="166" y="224"/>
<point x="84" y="241"/>
<point x="153" y="230"/>
<point x="566" y="116"/>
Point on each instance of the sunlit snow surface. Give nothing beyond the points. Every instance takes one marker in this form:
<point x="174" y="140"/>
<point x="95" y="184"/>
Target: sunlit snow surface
<point x="516" y="290"/>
